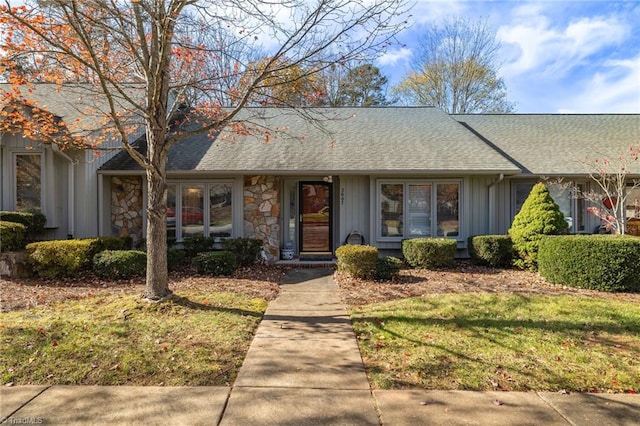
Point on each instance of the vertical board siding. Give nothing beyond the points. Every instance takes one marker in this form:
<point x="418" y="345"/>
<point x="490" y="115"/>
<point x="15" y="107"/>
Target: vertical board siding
<point x="353" y="207"/>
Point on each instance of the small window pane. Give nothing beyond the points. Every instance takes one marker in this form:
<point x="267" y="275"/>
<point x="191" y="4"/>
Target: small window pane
<point x="448" y="197"/>
<point x="419" y="210"/>
<point x="562" y="196"/>
<point x="391" y="208"/>
<point x="28" y="182"/>
<point x="220" y="210"/>
<point x="632" y="212"/>
<point x="522" y="193"/>
<point x="171" y="211"/>
<point x="192" y="215"/>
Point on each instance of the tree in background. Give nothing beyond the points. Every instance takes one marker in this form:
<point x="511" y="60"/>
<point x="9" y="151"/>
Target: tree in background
<point x="291" y="86"/>
<point x="363" y="85"/>
<point x="147" y="60"/>
<point x="456" y="70"/>
<point x="539" y="216"/>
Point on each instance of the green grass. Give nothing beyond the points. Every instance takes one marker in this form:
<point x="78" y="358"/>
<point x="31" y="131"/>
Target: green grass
<point x="197" y="338"/>
<point x="509" y="342"/>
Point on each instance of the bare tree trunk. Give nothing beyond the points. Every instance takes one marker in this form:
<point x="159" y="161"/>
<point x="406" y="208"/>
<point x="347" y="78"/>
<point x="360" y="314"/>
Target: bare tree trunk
<point x="157" y="284"/>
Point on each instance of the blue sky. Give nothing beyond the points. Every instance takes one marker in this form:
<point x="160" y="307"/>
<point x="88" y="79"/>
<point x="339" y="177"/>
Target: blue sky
<point x="556" y="56"/>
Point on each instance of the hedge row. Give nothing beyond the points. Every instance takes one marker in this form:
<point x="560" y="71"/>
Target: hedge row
<point x="599" y="262"/>
<point x="12" y="236"/>
<point x="59" y="258"/>
<point x="34" y="222"/>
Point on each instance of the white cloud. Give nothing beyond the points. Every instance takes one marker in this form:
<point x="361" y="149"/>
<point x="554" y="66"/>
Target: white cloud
<point x="430" y="11"/>
<point x="395" y="56"/>
<point x="614" y="88"/>
<point x="535" y="45"/>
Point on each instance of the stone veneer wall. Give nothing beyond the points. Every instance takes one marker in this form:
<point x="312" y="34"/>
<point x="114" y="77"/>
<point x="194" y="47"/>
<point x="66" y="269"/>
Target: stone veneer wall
<point x="262" y="212"/>
<point x="126" y="207"/>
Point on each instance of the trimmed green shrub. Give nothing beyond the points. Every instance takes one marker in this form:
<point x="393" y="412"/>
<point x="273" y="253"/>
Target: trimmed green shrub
<point x="246" y="250"/>
<point x="120" y="264"/>
<point x="491" y="250"/>
<point x="215" y="263"/>
<point x="175" y="258"/>
<point x="539" y="216"/>
<point x="599" y="262"/>
<point x="195" y="245"/>
<point x="359" y="261"/>
<point x="52" y="259"/>
<point x="100" y="244"/>
<point x="387" y="268"/>
<point x="33" y="221"/>
<point x="429" y="252"/>
<point x="12" y="236"/>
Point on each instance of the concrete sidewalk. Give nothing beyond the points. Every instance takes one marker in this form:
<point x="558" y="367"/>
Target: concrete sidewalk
<point x="304" y="368"/>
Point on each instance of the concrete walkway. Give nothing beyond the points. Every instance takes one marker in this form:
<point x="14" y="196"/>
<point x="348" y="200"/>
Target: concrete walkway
<point x="304" y="368"/>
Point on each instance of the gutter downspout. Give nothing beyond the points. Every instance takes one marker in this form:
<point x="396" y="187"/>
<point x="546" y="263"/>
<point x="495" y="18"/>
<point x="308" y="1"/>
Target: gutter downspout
<point x="492" y="202"/>
<point x="72" y="213"/>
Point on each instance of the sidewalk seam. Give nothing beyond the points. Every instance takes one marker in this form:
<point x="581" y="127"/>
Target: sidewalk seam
<point x="4" y="419"/>
<point x="224" y="407"/>
<point x="566" y="419"/>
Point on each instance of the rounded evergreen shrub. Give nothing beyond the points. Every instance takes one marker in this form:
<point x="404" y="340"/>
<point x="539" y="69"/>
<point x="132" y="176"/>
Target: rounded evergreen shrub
<point x="387" y="268"/>
<point x="359" y="261"/>
<point x="195" y="245"/>
<point x="120" y="264"/>
<point x="52" y="259"/>
<point x="33" y="221"/>
<point x="598" y="262"/>
<point x="539" y="216"/>
<point x="429" y="253"/>
<point x="175" y="258"/>
<point x="12" y="236"/>
<point x="215" y="263"/>
<point x="246" y="250"/>
<point x="491" y="250"/>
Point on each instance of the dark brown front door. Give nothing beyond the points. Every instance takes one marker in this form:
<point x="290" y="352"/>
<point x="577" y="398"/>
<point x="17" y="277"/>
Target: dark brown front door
<point x="315" y="220"/>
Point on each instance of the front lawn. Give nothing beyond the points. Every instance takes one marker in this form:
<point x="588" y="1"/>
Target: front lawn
<point x="198" y="338"/>
<point x="502" y="341"/>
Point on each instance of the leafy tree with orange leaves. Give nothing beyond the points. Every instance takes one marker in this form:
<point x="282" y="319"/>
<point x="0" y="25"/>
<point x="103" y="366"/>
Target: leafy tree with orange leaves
<point x="146" y="59"/>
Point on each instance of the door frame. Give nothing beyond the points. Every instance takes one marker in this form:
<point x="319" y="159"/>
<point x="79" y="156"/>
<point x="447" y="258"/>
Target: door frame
<point x="315" y="254"/>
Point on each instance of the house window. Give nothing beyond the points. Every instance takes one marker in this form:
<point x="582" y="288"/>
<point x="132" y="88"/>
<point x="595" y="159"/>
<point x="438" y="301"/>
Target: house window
<point x="410" y="209"/>
<point x="199" y="209"/>
<point x="28" y="178"/>
<point x="632" y="212"/>
<point x="573" y="208"/>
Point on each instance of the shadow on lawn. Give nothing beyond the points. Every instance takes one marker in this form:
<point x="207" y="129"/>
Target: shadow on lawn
<point x="613" y="331"/>
<point x="190" y="304"/>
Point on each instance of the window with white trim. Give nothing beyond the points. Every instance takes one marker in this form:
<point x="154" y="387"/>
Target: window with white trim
<point x="199" y="209"/>
<point x="563" y="193"/>
<point x="28" y="168"/>
<point x="418" y="208"/>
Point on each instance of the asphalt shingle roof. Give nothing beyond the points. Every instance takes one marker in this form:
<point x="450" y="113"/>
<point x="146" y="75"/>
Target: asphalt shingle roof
<point x="339" y="140"/>
<point x="558" y="144"/>
<point x="81" y="107"/>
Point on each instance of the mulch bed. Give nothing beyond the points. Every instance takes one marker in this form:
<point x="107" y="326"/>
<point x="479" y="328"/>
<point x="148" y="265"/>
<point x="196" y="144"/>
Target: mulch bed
<point x="259" y="281"/>
<point x="463" y="278"/>
<point x="262" y="281"/>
